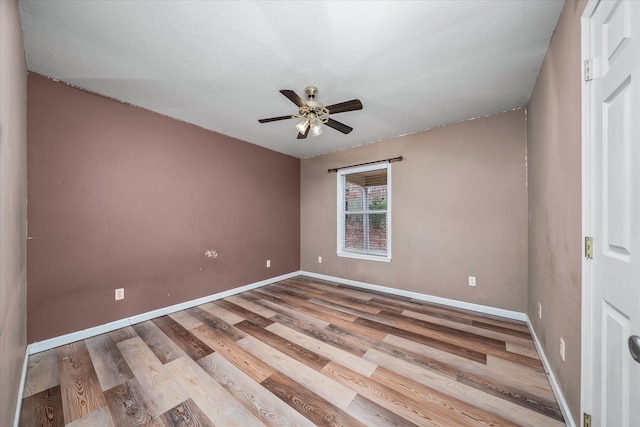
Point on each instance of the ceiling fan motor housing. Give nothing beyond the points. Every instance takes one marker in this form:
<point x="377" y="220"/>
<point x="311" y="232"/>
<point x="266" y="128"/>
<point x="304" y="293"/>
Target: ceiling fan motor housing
<point x="311" y="92"/>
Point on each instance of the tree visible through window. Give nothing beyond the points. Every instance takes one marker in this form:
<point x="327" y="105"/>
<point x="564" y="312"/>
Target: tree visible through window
<point x="363" y="212"/>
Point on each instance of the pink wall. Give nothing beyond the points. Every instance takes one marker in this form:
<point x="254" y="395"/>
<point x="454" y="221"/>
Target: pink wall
<point x="123" y="197"/>
<point x="13" y="208"/>
<point x="555" y="212"/>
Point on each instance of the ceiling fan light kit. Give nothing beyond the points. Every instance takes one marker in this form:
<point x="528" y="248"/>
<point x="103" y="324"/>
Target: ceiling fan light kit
<point x="315" y="114"/>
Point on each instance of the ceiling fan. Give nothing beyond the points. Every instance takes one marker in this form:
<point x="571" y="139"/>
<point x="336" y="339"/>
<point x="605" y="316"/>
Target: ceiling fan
<point x="314" y="114"/>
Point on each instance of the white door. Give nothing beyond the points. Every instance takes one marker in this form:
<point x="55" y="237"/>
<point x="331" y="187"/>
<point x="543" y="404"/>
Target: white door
<point x="614" y="152"/>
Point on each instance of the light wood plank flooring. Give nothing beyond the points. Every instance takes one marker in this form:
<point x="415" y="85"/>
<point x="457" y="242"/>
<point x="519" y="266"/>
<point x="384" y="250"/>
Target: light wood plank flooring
<point x="299" y="352"/>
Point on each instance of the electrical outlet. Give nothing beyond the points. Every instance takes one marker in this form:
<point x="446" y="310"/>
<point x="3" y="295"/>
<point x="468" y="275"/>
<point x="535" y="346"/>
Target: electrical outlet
<point x="472" y="280"/>
<point x="268" y="263"/>
<point x="119" y="294"/>
<point x="539" y="310"/>
<point x="319" y="260"/>
<point x="562" y="349"/>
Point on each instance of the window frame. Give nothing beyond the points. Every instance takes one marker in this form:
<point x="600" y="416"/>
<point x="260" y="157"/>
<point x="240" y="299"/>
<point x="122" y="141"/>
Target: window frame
<point x="349" y="253"/>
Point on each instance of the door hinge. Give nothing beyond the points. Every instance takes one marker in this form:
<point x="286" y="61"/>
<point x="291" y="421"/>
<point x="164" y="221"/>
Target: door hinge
<point x="586" y="420"/>
<point x="587" y="70"/>
<point x="588" y="247"/>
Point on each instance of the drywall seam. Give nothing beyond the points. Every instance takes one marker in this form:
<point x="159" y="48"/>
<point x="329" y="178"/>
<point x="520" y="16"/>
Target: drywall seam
<point x="555" y="386"/>
<point x="54" y="342"/>
<point x="515" y="315"/>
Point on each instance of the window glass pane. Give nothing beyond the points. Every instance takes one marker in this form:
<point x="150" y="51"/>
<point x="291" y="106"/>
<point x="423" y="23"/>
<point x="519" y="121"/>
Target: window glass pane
<point x="354" y="197"/>
<point x="378" y="232"/>
<point x="354" y="232"/>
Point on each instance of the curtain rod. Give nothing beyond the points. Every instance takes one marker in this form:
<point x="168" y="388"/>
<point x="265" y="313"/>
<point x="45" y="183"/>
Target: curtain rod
<point x="393" y="159"/>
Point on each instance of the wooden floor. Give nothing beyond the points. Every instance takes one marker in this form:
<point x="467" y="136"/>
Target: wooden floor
<point x="299" y="352"/>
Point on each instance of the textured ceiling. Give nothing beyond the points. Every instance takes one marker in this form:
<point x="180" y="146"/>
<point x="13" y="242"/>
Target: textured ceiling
<point x="219" y="64"/>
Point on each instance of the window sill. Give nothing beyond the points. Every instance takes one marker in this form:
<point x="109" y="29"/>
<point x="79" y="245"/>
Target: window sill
<point x="367" y="257"/>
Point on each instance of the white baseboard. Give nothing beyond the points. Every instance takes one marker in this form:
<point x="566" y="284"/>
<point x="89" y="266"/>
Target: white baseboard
<point x="515" y="315"/>
<point x="555" y="386"/>
<point x="23" y="378"/>
<point x="39" y="346"/>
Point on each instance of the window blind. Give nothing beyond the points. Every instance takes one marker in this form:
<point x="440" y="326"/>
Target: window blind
<point x="364" y="204"/>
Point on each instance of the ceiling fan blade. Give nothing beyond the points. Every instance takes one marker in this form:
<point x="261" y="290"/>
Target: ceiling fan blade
<point x="342" y="107"/>
<point x="339" y="126"/>
<point x="293" y="97"/>
<point x="304" y="135"/>
<point x="275" y="119"/>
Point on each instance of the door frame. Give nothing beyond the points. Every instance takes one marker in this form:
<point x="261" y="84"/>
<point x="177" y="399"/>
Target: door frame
<point x="586" y="393"/>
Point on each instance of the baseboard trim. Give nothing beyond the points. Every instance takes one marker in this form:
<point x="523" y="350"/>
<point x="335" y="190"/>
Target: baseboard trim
<point x="23" y="378"/>
<point x="514" y="315"/>
<point x="48" y="344"/>
<point x="555" y="386"/>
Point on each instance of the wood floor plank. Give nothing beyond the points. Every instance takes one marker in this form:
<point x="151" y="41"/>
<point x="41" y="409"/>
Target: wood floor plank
<point x="283" y="309"/>
<point x="244" y="313"/>
<point x="101" y="417"/>
<point x="108" y="362"/>
<point x="309" y="404"/>
<point x="469" y="327"/>
<point x="445" y="333"/>
<point x="454" y="411"/>
<point x="381" y="394"/>
<point x="213" y="399"/>
<point x="328" y="351"/>
<point x="320" y="333"/>
<point x="42" y="372"/>
<point x="216" y="323"/>
<point x="303" y="305"/>
<point x="230" y="317"/>
<point x="192" y="346"/>
<point x="123" y="334"/>
<point x="250" y="364"/>
<point x="413" y="401"/>
<point x="161" y="345"/>
<point x="79" y="384"/>
<point x="372" y="414"/>
<point x="306" y="283"/>
<point x="185" y="414"/>
<point x="535" y="382"/>
<point x="126" y="403"/>
<point x="186" y="320"/>
<point x="328" y="389"/>
<point x="43" y="409"/>
<point x="249" y="304"/>
<point x="528" y="349"/>
<point x="346" y="308"/>
<point x="445" y="346"/>
<point x="159" y="390"/>
<point x="298" y="352"/>
<point x="264" y="405"/>
<point x="493" y="404"/>
<point x="498" y="388"/>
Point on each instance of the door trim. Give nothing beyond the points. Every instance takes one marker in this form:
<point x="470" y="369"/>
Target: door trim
<point x="587" y="168"/>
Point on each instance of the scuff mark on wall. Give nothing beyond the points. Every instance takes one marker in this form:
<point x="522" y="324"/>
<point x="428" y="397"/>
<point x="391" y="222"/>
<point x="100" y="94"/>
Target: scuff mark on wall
<point x="210" y="253"/>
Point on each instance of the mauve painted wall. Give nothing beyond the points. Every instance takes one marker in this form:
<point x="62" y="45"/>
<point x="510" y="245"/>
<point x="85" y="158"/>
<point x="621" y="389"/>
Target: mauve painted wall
<point x="555" y="206"/>
<point x="123" y="197"/>
<point x="459" y="209"/>
<point x="13" y="208"/>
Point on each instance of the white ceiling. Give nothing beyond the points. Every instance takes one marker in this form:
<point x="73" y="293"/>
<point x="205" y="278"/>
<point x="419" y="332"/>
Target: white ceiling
<point x="219" y="64"/>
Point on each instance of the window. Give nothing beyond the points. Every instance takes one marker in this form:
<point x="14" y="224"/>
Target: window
<point x="364" y="212"/>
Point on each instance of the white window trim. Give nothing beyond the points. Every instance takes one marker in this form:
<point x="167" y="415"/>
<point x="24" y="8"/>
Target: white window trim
<point x="340" y="211"/>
